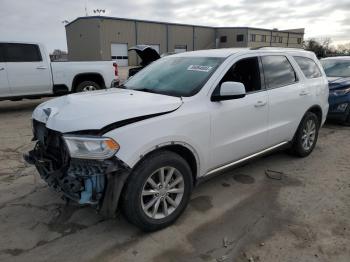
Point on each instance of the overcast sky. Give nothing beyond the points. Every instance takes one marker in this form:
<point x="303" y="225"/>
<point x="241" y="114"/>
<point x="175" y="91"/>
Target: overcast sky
<point x="41" y="20"/>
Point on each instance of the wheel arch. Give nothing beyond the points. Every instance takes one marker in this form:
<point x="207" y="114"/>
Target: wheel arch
<point x="317" y="110"/>
<point x="183" y="149"/>
<point x="95" y="77"/>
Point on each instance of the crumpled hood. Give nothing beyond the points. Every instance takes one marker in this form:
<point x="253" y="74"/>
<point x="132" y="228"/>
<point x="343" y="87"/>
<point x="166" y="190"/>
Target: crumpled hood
<point x="95" y="110"/>
<point x="338" y="82"/>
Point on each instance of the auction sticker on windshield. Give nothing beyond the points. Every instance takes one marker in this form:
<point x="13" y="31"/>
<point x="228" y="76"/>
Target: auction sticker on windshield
<point x="199" y="68"/>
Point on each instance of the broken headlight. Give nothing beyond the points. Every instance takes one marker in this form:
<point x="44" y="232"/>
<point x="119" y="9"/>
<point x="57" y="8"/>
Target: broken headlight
<point x="91" y="147"/>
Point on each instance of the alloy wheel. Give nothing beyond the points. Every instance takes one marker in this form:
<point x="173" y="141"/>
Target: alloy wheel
<point x="308" y="134"/>
<point x="162" y="192"/>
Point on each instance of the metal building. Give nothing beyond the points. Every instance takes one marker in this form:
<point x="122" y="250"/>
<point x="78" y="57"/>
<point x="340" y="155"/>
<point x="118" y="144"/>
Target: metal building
<point x="106" y="38"/>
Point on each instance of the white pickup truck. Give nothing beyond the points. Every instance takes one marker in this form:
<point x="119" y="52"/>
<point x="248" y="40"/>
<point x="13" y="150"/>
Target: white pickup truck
<point x="27" y="72"/>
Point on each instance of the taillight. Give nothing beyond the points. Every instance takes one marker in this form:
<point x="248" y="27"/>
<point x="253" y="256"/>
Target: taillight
<point x="115" y="65"/>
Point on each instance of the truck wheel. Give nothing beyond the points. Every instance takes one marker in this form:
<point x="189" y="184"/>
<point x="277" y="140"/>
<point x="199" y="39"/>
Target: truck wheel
<point x="158" y="191"/>
<point x="306" y="136"/>
<point x="87" y="86"/>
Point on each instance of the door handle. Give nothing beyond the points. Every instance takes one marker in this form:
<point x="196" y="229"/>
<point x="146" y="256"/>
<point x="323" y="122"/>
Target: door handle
<point x="41" y="67"/>
<point x="303" y="93"/>
<point x="2" y="68"/>
<point x="260" y="103"/>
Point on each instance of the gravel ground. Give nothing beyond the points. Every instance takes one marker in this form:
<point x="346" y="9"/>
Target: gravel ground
<point x="299" y="212"/>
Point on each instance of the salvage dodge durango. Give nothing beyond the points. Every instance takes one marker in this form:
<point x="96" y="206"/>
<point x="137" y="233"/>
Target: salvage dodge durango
<point x="144" y="146"/>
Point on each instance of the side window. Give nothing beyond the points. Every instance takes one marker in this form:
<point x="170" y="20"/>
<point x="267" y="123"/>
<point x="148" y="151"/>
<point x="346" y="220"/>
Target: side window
<point x="308" y="66"/>
<point x="278" y="71"/>
<point x="247" y="72"/>
<point x="22" y="53"/>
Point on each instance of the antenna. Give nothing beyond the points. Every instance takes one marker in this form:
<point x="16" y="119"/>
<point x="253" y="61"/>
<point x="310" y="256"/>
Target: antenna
<point x="86" y="9"/>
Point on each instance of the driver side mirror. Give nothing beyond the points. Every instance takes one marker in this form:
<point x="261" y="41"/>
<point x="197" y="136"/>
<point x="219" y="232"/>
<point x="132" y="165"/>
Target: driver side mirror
<point x="228" y="91"/>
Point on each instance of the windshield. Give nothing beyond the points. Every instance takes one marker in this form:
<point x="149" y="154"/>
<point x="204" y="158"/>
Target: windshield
<point x="175" y="76"/>
<point x="336" y="68"/>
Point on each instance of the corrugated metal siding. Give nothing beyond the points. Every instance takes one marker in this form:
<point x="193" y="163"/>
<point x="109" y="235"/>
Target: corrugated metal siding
<point x="258" y="39"/>
<point x="121" y="32"/>
<point x="152" y="34"/>
<point x="288" y="39"/>
<point x="204" y="38"/>
<point x="180" y="35"/>
<point x="83" y="40"/>
<point x="293" y="40"/>
<point x="231" y="34"/>
<point x="91" y="39"/>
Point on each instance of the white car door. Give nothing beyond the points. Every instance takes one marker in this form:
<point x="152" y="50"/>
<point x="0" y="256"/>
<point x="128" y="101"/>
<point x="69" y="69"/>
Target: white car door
<point x="4" y="84"/>
<point x="240" y="126"/>
<point x="28" y="71"/>
<point x="289" y="97"/>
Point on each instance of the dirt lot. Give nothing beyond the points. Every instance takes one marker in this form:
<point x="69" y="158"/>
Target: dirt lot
<point x="242" y="215"/>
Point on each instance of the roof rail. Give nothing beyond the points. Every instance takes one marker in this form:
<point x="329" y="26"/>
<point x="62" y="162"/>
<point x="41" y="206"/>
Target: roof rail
<point x="275" y="47"/>
<point x="259" y="47"/>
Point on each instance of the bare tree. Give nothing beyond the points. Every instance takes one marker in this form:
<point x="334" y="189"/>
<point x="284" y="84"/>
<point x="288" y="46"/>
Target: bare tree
<point x="344" y="49"/>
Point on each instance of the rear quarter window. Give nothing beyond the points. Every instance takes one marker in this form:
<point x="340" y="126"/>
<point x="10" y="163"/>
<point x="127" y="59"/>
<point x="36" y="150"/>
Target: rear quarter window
<point x="308" y="67"/>
<point x="278" y="71"/>
<point x="22" y="53"/>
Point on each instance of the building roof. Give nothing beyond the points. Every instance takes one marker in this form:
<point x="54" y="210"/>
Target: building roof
<point x="299" y="30"/>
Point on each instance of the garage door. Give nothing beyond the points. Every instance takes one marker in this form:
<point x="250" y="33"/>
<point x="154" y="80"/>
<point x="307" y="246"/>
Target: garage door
<point x="180" y="48"/>
<point x="120" y="54"/>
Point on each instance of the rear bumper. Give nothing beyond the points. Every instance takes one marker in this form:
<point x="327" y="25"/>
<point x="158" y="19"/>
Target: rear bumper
<point x="91" y="182"/>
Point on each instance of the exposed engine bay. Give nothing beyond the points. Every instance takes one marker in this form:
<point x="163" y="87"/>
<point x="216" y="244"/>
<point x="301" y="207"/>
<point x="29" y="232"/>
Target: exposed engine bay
<point x="84" y="181"/>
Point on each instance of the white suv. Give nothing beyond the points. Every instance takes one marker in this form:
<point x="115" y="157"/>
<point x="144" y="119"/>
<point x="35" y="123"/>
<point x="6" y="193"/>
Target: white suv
<point x="179" y="120"/>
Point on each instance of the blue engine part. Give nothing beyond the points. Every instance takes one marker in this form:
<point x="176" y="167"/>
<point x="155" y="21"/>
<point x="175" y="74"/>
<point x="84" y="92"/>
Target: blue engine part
<point x="93" y="189"/>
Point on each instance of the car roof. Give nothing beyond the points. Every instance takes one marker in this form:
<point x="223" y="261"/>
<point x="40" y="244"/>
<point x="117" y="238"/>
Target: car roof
<point x="226" y="52"/>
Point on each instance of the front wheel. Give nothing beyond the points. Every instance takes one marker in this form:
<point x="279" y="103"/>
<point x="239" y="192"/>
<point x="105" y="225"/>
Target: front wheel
<point x="158" y="191"/>
<point x="306" y="136"/>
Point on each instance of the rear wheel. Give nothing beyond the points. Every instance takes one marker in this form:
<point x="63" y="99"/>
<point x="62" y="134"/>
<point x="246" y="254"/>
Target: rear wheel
<point x="306" y="136"/>
<point x="86" y="86"/>
<point x="157" y="191"/>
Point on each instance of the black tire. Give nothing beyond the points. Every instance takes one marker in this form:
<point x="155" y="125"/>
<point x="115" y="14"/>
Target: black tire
<point x="297" y="146"/>
<point x="131" y="202"/>
<point x="85" y="85"/>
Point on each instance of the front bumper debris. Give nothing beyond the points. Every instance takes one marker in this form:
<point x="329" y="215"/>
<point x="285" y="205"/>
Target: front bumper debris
<point x="94" y="182"/>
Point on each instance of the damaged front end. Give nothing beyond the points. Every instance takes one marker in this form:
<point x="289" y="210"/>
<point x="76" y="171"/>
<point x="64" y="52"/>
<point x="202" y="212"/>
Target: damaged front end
<point x="86" y="181"/>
